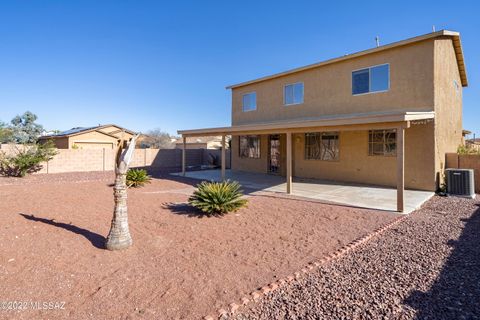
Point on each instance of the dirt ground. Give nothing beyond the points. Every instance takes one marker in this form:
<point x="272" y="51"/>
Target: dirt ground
<point x="181" y="266"/>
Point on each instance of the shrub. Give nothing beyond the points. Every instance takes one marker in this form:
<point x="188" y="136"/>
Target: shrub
<point x="217" y="198"/>
<point x="137" y="178"/>
<point x="468" y="149"/>
<point x="26" y="158"/>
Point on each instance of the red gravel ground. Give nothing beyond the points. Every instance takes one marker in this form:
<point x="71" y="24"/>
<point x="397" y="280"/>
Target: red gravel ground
<point x="425" y="267"/>
<point x="181" y="266"/>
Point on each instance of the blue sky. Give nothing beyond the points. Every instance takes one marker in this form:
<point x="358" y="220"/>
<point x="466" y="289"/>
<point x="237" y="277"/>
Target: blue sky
<point x="152" y="64"/>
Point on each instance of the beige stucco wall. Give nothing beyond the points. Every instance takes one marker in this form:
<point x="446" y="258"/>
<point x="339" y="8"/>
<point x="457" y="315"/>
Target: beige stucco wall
<point x="354" y="164"/>
<point x="93" y="140"/>
<point x="448" y="104"/>
<point x="327" y="89"/>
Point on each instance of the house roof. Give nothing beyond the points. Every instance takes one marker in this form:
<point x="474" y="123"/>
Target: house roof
<point x="456" y="45"/>
<point x="82" y="130"/>
<point x="324" y="121"/>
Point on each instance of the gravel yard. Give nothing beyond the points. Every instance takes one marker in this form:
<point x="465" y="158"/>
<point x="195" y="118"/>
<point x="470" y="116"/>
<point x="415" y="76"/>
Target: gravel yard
<point x="425" y="267"/>
<point x="180" y="266"/>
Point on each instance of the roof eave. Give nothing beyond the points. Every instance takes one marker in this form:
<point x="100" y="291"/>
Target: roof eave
<point x="341" y="120"/>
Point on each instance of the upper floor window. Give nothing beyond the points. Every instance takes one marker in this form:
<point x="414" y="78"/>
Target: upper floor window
<point x="249" y="102"/>
<point x="249" y="147"/>
<point x="373" y="79"/>
<point x="382" y="142"/>
<point x="321" y="146"/>
<point x="293" y="93"/>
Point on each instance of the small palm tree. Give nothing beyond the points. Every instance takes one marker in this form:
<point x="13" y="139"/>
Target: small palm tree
<point x="119" y="235"/>
<point x="217" y="198"/>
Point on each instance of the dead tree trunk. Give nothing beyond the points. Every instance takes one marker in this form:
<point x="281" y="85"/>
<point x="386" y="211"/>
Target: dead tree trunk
<point x="119" y="236"/>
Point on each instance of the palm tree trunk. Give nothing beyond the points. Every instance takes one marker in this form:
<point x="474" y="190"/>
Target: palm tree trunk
<point x="119" y="236"/>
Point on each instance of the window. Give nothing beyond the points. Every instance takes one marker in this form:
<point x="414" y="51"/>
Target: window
<point x="321" y="146"/>
<point x="293" y="93"/>
<point x="374" y="79"/>
<point x="249" y="102"/>
<point x="382" y="142"/>
<point x="249" y="147"/>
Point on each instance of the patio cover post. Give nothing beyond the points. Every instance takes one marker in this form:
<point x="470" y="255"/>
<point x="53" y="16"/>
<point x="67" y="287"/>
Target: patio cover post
<point x="223" y="157"/>
<point x="400" y="168"/>
<point x="184" y="156"/>
<point x="289" y="162"/>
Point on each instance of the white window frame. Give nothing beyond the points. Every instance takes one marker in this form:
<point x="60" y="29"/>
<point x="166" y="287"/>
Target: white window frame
<point x="243" y="107"/>
<point x="284" y="96"/>
<point x="369" y="79"/>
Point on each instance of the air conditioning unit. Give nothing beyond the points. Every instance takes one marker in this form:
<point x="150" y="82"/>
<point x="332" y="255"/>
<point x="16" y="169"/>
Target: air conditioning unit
<point x="460" y="182"/>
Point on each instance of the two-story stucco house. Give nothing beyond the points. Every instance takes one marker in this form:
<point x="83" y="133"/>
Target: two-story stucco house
<point x="383" y="116"/>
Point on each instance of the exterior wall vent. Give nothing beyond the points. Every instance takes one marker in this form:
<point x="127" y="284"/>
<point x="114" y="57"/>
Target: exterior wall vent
<point x="460" y="182"/>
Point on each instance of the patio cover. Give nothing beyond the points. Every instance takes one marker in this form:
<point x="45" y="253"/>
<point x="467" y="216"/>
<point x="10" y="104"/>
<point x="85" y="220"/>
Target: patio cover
<point x="399" y="120"/>
<point x="300" y="124"/>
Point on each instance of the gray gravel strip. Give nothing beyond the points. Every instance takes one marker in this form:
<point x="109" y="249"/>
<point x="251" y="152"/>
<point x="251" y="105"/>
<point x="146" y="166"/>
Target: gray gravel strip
<point x="426" y="267"/>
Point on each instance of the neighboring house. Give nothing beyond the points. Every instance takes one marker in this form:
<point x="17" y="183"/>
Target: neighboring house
<point x="214" y="142"/>
<point x="473" y="143"/>
<point x="383" y="116"/>
<point x="100" y="137"/>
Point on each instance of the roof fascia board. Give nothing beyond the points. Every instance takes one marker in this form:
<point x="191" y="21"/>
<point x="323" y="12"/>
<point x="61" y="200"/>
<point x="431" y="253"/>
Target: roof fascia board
<point x="339" y="121"/>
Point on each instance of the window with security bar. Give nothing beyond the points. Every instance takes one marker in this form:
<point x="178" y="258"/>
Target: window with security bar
<point x="249" y="147"/>
<point x="321" y="146"/>
<point x="382" y="142"/>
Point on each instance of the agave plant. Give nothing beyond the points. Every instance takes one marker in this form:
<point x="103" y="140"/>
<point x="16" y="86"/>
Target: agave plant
<point x="137" y="178"/>
<point x="217" y="198"/>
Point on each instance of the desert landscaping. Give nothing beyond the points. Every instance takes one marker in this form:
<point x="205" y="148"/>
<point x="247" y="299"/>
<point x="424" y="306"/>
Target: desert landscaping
<point x="181" y="265"/>
<point x="184" y="265"/>
<point x="409" y="272"/>
<point x="219" y="160"/>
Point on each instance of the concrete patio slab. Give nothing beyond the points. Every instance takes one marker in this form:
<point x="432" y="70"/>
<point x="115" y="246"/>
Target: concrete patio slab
<point x="355" y="195"/>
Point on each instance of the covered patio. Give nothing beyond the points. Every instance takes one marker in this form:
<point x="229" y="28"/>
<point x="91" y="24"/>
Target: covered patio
<point x="339" y="192"/>
<point x="355" y="195"/>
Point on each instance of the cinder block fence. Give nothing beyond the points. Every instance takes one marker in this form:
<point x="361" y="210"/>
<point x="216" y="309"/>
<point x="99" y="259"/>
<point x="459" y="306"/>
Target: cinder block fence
<point x="82" y="160"/>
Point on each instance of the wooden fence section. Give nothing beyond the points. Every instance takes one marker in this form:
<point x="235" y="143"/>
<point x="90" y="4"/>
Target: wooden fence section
<point x="82" y="160"/>
<point x="465" y="161"/>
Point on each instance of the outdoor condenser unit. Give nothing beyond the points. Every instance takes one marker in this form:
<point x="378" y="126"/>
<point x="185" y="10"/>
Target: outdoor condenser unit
<point x="460" y="182"/>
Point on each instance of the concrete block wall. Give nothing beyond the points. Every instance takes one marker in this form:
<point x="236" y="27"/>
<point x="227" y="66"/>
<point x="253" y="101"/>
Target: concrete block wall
<point x="82" y="160"/>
